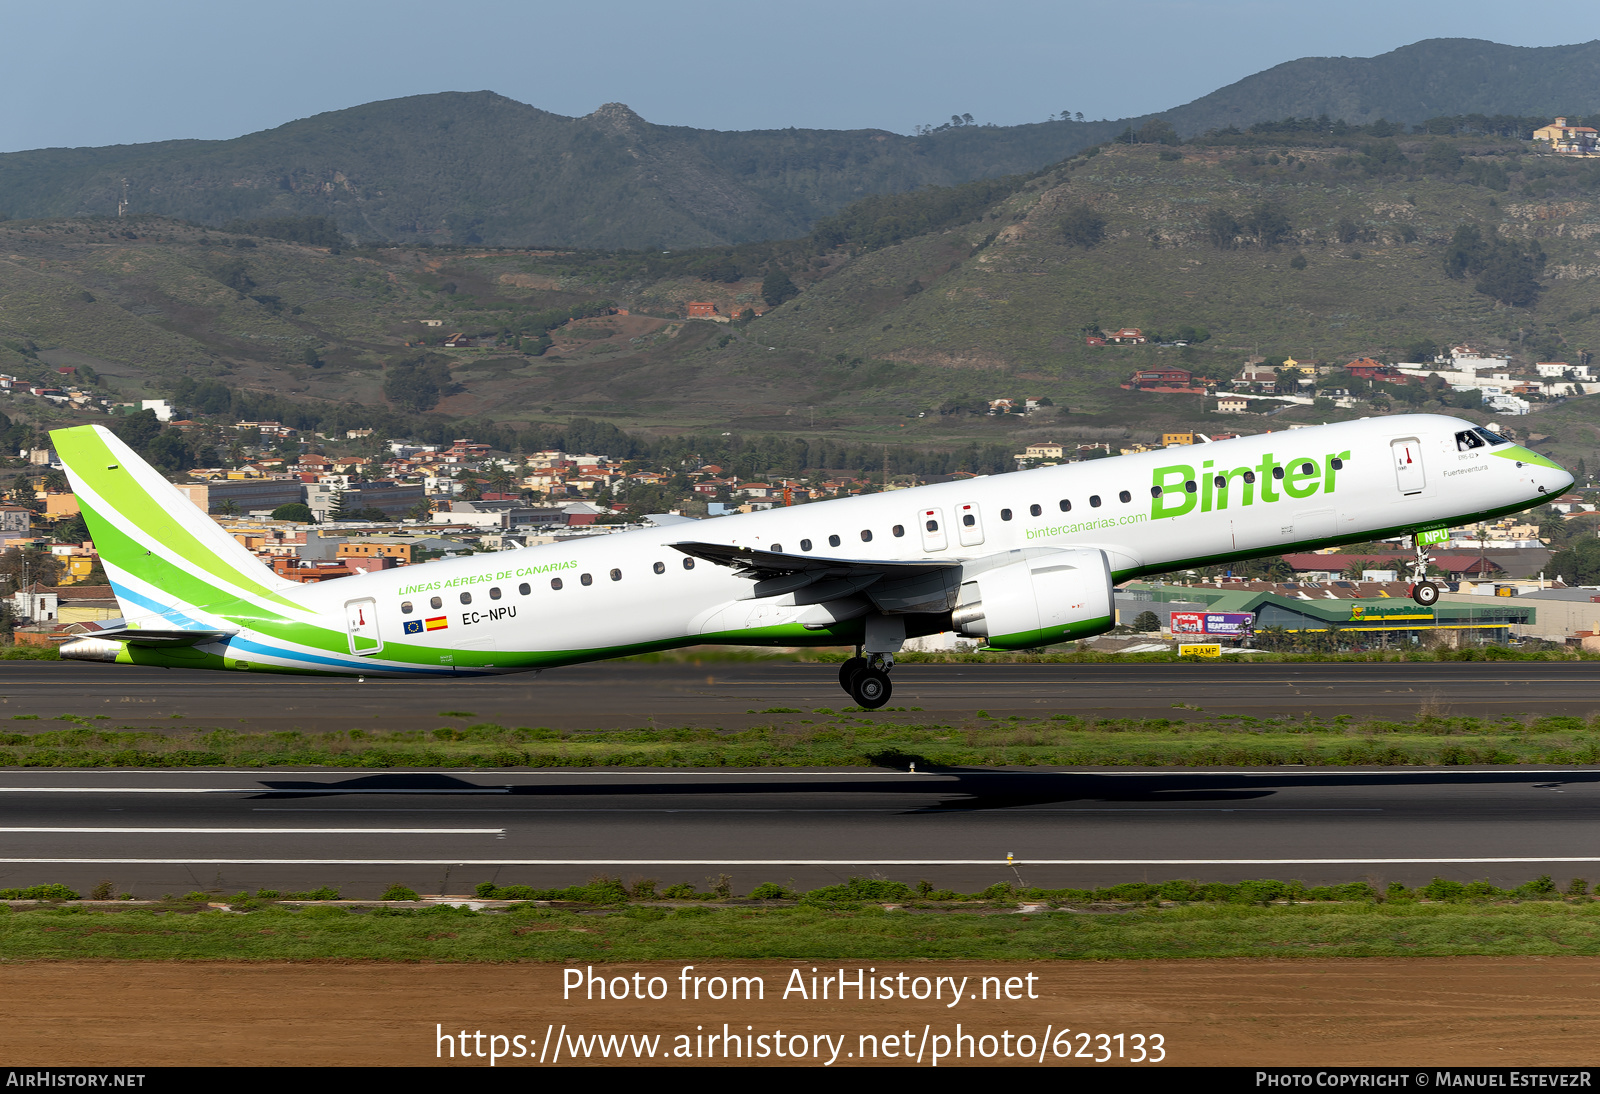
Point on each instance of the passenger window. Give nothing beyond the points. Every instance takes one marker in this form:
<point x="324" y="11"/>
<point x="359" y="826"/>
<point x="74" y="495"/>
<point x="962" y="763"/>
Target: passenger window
<point x="405" y="608"/>
<point x="1191" y="486"/>
<point x="833" y="541"/>
<point x="776" y="548"/>
<point x="688" y="564"/>
<point x="805" y="545"/>
<point x="435" y="603"/>
<point x="1066" y="506"/>
<point x="555" y="583"/>
<point x="1221" y="482"/>
<point x="1005" y="514"/>
<point x="660" y="567"/>
<point x="1250" y="476"/>
<point x="1338" y="464"/>
<point x="466" y="598"/>
<point x="1277" y="472"/>
<point x="494" y="592"/>
<point x="1308" y="468"/>
<point x="1155" y="491"/>
<point x="866" y="535"/>
<point x="616" y="575"/>
<point x="899" y="530"/>
<point x="1035" y="509"/>
<point x="524" y="588"/>
<point x="585" y="579"/>
<point x="1125" y="496"/>
<point x="1094" y="501"/>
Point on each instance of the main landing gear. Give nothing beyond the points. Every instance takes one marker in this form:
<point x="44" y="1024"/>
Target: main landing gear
<point x="867" y="679"/>
<point x="1424" y="592"/>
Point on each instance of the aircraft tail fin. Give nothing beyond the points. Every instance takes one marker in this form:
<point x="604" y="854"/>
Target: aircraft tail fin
<point x="165" y="557"/>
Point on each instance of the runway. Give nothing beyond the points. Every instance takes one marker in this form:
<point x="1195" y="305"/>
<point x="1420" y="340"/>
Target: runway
<point x="442" y="832"/>
<point x="734" y="694"/>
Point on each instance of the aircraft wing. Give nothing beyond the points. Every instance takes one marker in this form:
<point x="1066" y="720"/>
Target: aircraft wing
<point x="760" y="565"/>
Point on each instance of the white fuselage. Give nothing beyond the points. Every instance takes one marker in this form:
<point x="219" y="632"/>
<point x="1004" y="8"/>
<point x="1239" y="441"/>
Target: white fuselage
<point x="1340" y="483"/>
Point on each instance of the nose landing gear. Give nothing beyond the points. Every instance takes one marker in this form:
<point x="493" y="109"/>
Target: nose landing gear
<point x="866" y="679"/>
<point x="1423" y="591"/>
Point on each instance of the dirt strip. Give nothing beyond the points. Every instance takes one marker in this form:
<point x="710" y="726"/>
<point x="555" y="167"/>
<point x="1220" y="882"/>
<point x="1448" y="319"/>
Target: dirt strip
<point x="1424" y="1011"/>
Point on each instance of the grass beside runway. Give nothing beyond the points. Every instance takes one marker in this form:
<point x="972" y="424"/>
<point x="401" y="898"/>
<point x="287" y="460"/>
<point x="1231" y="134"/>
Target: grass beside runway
<point x="815" y="930"/>
<point x="829" y="737"/>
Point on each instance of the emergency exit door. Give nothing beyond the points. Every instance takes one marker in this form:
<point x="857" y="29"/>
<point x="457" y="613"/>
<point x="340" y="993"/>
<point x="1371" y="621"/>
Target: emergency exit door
<point x="1408" y="472"/>
<point x="361" y="620"/>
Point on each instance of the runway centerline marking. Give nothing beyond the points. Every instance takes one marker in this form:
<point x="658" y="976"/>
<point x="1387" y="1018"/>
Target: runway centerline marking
<point x="1013" y="810"/>
<point x="272" y="831"/>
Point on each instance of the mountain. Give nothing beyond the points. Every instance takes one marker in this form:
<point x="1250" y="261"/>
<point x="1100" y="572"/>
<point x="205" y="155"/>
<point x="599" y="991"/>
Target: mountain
<point x="471" y="168"/>
<point x="1433" y="78"/>
<point x="478" y="168"/>
<point x="911" y="310"/>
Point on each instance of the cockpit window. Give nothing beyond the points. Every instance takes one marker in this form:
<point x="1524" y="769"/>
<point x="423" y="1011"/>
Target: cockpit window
<point x="1492" y="438"/>
<point x="1468" y="439"/>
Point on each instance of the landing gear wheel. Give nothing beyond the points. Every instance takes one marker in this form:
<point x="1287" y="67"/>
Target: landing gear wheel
<point x="871" y="689"/>
<point x="848" y="672"/>
<point x="1425" y="593"/>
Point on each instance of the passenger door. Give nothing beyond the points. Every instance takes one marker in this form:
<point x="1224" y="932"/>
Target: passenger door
<point x="933" y="533"/>
<point x="361" y="621"/>
<point x="971" y="525"/>
<point x="1408" y="472"/>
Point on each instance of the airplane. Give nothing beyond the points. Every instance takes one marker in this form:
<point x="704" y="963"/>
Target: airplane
<point x="1018" y="560"/>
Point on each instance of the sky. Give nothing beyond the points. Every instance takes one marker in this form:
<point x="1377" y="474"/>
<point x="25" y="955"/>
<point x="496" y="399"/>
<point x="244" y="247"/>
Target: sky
<point x="95" y="73"/>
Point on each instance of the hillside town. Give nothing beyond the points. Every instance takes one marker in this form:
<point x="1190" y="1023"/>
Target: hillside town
<point x="312" y="509"/>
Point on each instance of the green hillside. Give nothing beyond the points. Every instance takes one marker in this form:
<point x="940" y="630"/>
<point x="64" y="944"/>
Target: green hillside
<point x="905" y="314"/>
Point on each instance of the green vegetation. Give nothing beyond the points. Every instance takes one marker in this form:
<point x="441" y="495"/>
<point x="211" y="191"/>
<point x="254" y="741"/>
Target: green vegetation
<point x="849" y="921"/>
<point x="891" y="738"/>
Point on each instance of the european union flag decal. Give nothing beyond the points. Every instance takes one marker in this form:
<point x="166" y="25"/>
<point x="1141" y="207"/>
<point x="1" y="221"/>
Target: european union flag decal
<point x="413" y="626"/>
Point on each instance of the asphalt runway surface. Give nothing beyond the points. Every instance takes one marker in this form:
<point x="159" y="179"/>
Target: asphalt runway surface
<point x="730" y="694"/>
<point x="442" y="832"/>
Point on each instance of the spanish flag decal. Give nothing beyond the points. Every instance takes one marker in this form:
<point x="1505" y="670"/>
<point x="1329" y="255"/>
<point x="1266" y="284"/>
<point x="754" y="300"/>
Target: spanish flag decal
<point x="438" y="623"/>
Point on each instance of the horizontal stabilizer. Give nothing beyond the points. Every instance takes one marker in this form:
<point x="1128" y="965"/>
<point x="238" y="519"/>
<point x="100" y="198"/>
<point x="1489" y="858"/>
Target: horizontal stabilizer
<point x="147" y="636"/>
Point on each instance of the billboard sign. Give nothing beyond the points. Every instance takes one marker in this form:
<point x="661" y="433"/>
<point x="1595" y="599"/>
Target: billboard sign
<point x="1221" y="624"/>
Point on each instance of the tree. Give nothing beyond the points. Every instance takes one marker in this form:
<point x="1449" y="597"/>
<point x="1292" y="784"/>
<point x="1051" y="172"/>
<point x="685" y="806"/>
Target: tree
<point x="418" y="383"/>
<point x="1222" y="229"/>
<point x="1146" y="622"/>
<point x="72" y="530"/>
<point x="1442" y="158"/>
<point x="1346" y="230"/>
<point x="1083" y="227"/>
<point x="1268" y="224"/>
<point x="776" y="287"/>
<point x="296" y="511"/>
<point x="1157" y="131"/>
<point x="1578" y="564"/>
<point x="1298" y="262"/>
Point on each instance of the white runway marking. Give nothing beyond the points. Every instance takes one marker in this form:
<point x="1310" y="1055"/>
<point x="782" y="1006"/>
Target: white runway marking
<point x="240" y="790"/>
<point x="278" y="831"/>
<point x="1008" y="810"/>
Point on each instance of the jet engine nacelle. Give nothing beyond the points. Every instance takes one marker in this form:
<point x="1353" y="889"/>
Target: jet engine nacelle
<point x="1040" y="600"/>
